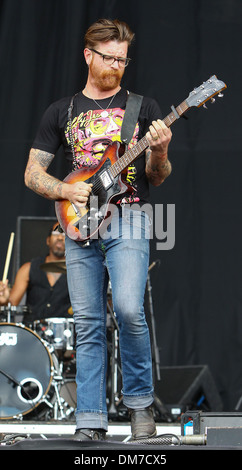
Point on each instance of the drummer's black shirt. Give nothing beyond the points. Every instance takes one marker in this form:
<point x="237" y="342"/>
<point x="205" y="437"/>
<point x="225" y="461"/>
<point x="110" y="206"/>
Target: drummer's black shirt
<point x="44" y="300"/>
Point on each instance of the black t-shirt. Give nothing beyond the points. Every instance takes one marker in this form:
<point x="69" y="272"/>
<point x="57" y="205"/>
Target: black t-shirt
<point x="93" y="129"/>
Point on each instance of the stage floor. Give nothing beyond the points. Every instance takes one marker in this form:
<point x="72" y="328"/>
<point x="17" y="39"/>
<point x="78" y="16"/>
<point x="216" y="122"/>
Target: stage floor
<point x="117" y="431"/>
<point x="57" y="436"/>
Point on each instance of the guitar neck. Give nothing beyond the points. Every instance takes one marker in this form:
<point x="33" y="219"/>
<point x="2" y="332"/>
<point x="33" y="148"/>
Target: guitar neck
<point x="133" y="153"/>
<point x="176" y="113"/>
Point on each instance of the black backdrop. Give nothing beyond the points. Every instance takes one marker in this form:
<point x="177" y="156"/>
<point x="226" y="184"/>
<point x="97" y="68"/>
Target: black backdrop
<point x="179" y="44"/>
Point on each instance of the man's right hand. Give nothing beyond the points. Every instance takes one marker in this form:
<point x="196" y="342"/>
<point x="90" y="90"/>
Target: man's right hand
<point x="77" y="193"/>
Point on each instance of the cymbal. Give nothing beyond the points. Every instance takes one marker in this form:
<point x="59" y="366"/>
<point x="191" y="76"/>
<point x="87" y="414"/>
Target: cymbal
<point x="54" y="267"/>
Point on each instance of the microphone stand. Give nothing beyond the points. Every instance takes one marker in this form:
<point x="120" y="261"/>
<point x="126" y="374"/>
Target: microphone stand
<point x="16" y="383"/>
<point x="157" y="402"/>
<point x="10" y="378"/>
<point x="152" y="319"/>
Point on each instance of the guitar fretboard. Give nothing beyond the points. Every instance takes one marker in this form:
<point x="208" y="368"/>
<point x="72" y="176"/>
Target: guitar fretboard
<point x="131" y="155"/>
<point x="174" y="115"/>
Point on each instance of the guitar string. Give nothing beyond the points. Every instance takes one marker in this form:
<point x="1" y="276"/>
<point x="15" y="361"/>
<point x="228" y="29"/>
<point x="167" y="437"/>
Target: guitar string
<point x="133" y="153"/>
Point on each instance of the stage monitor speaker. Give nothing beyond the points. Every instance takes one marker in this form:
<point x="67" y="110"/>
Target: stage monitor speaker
<point x="198" y="422"/>
<point x="30" y="239"/>
<point x="183" y="388"/>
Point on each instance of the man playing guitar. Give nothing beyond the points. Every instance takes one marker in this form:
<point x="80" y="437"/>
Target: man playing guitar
<point x="123" y="257"/>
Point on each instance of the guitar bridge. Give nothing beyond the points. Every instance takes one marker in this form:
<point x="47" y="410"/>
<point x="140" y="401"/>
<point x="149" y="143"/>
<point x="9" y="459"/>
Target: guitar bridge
<point x="106" y="179"/>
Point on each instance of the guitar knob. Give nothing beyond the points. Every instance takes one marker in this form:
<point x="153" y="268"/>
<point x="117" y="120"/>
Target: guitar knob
<point x="98" y="215"/>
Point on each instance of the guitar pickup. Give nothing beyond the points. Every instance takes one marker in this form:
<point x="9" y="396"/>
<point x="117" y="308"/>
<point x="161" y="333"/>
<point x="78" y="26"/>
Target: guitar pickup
<point x="106" y="179"/>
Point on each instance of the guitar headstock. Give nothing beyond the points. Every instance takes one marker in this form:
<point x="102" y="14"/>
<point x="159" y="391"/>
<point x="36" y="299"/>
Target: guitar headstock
<point x="206" y="91"/>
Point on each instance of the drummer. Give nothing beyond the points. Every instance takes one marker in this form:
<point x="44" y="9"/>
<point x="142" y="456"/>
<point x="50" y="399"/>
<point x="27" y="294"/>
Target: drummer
<point x="46" y="289"/>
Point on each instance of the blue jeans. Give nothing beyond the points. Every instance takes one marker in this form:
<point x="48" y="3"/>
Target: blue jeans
<point x="123" y="256"/>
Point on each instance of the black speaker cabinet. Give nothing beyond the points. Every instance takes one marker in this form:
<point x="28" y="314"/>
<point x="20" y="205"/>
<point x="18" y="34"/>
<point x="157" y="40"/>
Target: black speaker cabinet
<point x="183" y="388"/>
<point x="30" y="239"/>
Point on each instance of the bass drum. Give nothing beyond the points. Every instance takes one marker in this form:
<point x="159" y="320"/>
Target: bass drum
<point x="26" y="370"/>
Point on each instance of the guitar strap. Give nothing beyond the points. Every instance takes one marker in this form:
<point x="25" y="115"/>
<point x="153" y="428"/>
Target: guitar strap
<point x="131" y="115"/>
<point x="70" y="122"/>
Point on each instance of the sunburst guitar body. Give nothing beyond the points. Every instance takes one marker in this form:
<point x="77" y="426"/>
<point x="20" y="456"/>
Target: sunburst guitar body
<point x="83" y="223"/>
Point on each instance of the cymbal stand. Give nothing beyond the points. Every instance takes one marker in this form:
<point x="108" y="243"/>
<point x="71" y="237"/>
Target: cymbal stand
<point x="58" y="408"/>
<point x="9" y="312"/>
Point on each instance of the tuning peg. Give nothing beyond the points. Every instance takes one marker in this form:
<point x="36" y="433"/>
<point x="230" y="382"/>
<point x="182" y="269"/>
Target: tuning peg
<point x="220" y="95"/>
<point x="213" y="100"/>
<point x="204" y="106"/>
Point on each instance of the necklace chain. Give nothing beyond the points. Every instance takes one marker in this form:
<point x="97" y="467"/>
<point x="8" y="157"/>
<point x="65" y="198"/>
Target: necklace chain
<point x="110" y="102"/>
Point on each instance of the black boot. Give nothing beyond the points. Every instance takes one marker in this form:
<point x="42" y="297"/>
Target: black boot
<point x="89" y="435"/>
<point x="142" y="423"/>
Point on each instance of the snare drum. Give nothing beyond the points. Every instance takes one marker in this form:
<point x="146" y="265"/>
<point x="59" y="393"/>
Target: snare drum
<point x="26" y="370"/>
<point x="59" y="332"/>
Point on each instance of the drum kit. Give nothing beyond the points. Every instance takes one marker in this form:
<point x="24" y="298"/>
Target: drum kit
<point x="32" y="375"/>
<point x="34" y="380"/>
<point x="37" y="364"/>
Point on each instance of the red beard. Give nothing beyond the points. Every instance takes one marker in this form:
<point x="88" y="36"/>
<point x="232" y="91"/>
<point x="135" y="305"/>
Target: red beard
<point x="106" y="79"/>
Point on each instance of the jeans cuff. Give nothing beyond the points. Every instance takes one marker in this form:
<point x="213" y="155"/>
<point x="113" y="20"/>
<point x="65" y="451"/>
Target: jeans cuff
<point x="91" y="420"/>
<point x="136" y="402"/>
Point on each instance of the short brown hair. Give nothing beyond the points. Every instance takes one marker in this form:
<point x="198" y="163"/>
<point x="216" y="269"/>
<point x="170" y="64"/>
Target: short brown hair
<point x="105" y="30"/>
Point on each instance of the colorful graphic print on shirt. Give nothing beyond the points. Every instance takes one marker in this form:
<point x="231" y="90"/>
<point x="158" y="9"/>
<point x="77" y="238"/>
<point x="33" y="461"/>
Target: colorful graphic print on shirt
<point x="93" y="132"/>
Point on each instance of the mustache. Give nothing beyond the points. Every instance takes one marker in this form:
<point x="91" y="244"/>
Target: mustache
<point x="106" y="74"/>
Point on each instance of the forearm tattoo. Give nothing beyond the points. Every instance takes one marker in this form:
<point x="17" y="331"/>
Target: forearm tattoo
<point x="157" y="171"/>
<point x="36" y="177"/>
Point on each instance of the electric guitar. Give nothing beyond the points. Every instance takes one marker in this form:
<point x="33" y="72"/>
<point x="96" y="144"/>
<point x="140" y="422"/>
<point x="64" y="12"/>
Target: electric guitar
<point x="81" y="224"/>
